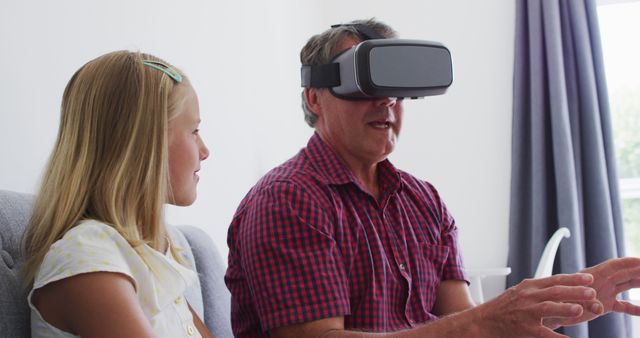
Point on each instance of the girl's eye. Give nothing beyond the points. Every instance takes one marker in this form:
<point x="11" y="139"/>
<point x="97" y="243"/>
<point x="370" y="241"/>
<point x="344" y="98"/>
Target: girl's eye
<point x="195" y="132"/>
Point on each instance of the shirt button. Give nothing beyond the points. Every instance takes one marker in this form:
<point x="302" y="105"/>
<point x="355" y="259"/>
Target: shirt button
<point x="178" y="300"/>
<point x="190" y="330"/>
<point x="401" y="266"/>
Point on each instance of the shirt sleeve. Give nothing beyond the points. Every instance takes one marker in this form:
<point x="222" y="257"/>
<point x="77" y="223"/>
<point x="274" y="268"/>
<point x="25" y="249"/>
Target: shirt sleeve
<point x="453" y="266"/>
<point x="292" y="264"/>
<point x="88" y="247"/>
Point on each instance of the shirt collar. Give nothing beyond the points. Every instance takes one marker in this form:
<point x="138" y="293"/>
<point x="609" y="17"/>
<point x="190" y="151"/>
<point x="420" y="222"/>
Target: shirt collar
<point x="336" y="171"/>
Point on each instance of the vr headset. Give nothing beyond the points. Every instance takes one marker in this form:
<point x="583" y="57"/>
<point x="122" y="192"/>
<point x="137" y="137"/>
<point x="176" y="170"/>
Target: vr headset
<point x="378" y="67"/>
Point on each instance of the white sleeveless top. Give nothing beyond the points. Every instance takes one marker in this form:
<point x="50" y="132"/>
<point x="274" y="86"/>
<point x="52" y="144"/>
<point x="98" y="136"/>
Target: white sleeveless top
<point x="159" y="280"/>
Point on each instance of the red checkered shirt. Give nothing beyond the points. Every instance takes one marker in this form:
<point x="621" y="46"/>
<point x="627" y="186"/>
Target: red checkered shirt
<point x="308" y="242"/>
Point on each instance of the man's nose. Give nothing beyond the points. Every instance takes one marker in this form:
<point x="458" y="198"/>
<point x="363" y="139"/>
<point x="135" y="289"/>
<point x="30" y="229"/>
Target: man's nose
<point x="386" y="101"/>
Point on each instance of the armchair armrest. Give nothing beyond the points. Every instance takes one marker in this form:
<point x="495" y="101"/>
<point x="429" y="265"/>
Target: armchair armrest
<point x="476" y="276"/>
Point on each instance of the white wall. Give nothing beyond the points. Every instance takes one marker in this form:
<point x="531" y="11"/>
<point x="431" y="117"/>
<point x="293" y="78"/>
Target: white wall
<point x="242" y="57"/>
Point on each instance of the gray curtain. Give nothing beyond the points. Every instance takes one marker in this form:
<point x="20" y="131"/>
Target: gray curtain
<point x="563" y="165"/>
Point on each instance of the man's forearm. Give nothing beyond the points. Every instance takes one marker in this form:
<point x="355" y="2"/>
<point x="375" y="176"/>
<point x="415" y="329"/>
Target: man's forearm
<point x="518" y="312"/>
<point x="468" y="323"/>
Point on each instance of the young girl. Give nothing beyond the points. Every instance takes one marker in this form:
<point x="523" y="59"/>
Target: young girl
<point x="99" y="258"/>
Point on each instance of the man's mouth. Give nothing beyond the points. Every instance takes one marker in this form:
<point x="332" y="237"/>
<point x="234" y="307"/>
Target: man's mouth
<point x="380" y="124"/>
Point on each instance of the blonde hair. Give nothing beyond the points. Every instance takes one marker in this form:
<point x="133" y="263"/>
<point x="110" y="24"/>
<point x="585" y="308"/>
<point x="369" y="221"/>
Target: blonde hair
<point x="110" y="159"/>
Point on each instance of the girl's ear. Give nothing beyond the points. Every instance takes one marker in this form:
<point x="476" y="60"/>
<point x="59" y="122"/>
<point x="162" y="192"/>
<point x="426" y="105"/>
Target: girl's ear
<point x="311" y="95"/>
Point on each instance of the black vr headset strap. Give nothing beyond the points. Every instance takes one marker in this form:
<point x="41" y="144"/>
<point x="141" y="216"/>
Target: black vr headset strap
<point x="327" y="76"/>
<point x="365" y="32"/>
<point x="321" y="76"/>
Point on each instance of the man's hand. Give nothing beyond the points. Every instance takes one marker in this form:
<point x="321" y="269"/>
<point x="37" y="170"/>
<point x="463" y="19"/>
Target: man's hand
<point x="519" y="312"/>
<point x="610" y="279"/>
<point x="522" y="310"/>
<point x="530" y="309"/>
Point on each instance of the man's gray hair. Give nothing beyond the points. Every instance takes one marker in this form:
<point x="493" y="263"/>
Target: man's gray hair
<point x="321" y="48"/>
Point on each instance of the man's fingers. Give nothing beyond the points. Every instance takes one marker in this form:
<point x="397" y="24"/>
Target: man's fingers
<point x="633" y="283"/>
<point x="593" y="306"/>
<point x="557" y="322"/>
<point x="624" y="306"/>
<point x="553" y="309"/>
<point x="619" y="264"/>
<point x="624" y="263"/>
<point x="576" y="279"/>
<point x="624" y="275"/>
<point x="563" y="293"/>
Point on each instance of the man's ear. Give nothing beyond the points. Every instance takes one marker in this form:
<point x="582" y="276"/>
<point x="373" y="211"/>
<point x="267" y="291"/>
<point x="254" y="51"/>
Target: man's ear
<point x="312" y="96"/>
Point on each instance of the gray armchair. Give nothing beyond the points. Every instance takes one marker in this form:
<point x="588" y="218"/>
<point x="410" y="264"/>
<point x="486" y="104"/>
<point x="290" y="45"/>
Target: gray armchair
<point x="210" y="299"/>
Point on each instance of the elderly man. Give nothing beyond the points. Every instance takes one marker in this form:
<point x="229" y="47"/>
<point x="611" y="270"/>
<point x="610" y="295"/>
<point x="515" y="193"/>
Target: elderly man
<point x="337" y="242"/>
